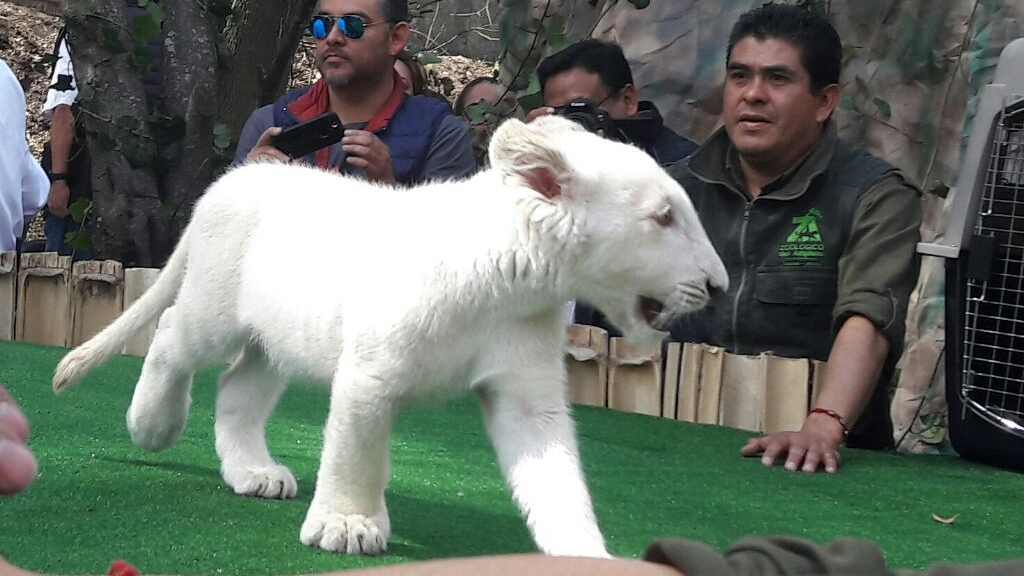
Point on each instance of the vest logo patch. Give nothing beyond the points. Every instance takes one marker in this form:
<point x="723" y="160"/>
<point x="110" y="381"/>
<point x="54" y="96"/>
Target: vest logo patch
<point x="804" y="244"/>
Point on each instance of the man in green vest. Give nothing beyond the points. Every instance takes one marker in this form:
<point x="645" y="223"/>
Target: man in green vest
<point x="818" y="236"/>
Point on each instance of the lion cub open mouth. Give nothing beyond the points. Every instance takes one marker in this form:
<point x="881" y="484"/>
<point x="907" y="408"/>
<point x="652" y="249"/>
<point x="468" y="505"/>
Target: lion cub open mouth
<point x="651" y="310"/>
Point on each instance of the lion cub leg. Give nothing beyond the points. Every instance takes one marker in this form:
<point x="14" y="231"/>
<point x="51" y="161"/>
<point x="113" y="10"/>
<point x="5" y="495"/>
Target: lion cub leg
<point x="159" y="408"/>
<point x="348" y="513"/>
<point x="529" y="423"/>
<point x="247" y="394"/>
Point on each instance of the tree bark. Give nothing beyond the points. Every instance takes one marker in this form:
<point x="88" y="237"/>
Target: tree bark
<point x="262" y="38"/>
<point x="126" y="202"/>
<point x="152" y="161"/>
<point x="190" y="93"/>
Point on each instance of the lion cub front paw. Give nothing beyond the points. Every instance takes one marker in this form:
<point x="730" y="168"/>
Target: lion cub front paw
<point x="348" y="533"/>
<point x="271" y="482"/>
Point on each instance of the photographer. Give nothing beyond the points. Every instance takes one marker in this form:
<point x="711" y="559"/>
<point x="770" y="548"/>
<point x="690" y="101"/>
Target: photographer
<point x="389" y="136"/>
<point x="598" y="72"/>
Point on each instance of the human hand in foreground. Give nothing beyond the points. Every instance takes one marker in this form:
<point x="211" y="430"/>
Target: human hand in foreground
<point x="815" y="445"/>
<point x="17" y="464"/>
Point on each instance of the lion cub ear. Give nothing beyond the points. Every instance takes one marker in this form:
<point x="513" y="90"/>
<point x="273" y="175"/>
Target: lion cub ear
<point x="529" y="152"/>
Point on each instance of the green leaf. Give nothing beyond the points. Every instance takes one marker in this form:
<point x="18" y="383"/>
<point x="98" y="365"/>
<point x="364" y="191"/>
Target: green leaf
<point x="848" y="52"/>
<point x="531" y="100"/>
<point x="847" y="103"/>
<point x="447" y="86"/>
<point x="932" y="419"/>
<point x="111" y="41"/>
<point x="554" y="34"/>
<point x="221" y="136"/>
<point x="883" y="106"/>
<point x="78" y="240"/>
<point x="157" y="13"/>
<point x="534" y="85"/>
<point x="141" y="59"/>
<point x="427" y="58"/>
<point x="474" y="114"/>
<point x="145" y="28"/>
<point x="491" y="109"/>
<point x="933" y="435"/>
<point x="79" y="209"/>
<point x="640" y="4"/>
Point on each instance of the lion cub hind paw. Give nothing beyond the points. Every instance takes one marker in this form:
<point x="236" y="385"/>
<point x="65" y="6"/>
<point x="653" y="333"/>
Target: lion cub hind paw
<point x="348" y="533"/>
<point x="272" y="482"/>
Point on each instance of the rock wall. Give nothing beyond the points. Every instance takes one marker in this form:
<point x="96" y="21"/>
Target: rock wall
<point x="458" y="27"/>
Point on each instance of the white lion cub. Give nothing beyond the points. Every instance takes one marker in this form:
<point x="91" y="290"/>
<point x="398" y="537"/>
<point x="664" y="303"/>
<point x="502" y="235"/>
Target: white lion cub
<point x="438" y="290"/>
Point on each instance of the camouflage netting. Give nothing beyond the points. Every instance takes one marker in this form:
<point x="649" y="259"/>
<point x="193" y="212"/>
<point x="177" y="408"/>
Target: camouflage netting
<point x="911" y="76"/>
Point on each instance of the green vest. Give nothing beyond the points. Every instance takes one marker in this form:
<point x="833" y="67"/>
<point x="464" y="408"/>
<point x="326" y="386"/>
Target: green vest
<point x="781" y="249"/>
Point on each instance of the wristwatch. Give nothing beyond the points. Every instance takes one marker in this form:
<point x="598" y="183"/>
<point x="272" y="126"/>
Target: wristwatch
<point x="54" y="176"/>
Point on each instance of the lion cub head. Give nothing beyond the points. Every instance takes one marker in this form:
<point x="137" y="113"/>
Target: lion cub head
<point x="638" y="250"/>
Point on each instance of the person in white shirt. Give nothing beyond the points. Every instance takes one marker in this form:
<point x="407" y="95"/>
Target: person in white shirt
<point x="23" y="183"/>
<point x="65" y="157"/>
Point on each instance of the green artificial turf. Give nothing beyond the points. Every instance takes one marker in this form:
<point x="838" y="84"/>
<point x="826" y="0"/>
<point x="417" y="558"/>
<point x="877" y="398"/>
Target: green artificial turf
<point x="99" y="498"/>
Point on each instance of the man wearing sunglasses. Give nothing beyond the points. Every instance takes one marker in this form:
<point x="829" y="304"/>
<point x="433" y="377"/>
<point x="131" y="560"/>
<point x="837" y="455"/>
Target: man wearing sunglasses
<point x="390" y="137"/>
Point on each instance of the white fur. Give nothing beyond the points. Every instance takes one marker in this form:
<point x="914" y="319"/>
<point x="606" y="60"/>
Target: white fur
<point x="399" y="295"/>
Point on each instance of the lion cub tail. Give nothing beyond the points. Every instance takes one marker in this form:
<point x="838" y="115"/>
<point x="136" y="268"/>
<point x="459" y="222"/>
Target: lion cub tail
<point x="111" y="340"/>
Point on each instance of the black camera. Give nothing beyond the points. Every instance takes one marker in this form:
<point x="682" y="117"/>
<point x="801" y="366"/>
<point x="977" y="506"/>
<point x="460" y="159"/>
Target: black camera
<point x="587" y="114"/>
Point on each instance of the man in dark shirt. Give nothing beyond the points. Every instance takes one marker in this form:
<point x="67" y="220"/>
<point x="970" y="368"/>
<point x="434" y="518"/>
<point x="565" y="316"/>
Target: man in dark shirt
<point x="599" y="72"/>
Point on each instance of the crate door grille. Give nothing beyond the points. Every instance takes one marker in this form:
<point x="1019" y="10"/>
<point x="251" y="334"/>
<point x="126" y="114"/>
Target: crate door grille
<point x="992" y="383"/>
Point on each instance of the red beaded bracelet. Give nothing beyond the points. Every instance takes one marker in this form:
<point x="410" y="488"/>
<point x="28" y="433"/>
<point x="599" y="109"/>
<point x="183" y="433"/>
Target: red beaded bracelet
<point x="839" y="418"/>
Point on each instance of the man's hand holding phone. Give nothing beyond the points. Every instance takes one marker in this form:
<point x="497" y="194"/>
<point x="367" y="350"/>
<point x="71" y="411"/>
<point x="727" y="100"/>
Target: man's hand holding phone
<point x="363" y="149"/>
<point x="299" y="140"/>
<point x="264" y="148"/>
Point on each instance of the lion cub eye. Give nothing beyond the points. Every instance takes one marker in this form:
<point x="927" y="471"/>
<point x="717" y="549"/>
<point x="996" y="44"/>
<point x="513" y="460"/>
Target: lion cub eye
<point x="664" y="217"/>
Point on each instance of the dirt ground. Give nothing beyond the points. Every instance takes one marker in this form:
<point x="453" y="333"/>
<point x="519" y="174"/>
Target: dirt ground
<point x="26" y="43"/>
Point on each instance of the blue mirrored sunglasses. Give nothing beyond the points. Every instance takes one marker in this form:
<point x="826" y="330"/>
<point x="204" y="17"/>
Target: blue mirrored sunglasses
<point x="351" y="25"/>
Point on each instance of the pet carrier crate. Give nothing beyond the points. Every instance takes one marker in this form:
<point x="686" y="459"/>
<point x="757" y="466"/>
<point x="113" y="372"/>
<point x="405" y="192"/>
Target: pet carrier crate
<point x="984" y="251"/>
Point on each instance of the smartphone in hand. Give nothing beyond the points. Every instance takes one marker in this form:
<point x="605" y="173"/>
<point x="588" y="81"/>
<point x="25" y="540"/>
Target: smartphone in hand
<point x="310" y="136"/>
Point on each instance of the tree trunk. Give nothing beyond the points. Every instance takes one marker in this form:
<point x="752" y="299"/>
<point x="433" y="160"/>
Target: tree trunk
<point x="190" y="93"/>
<point x="262" y="38"/>
<point x="126" y="202"/>
<point x="152" y="161"/>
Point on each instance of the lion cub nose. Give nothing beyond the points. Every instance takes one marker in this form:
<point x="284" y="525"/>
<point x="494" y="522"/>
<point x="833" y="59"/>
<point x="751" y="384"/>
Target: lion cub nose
<point x="714" y="289"/>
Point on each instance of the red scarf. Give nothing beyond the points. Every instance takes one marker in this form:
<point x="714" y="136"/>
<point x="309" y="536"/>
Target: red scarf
<point x="316" y="101"/>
